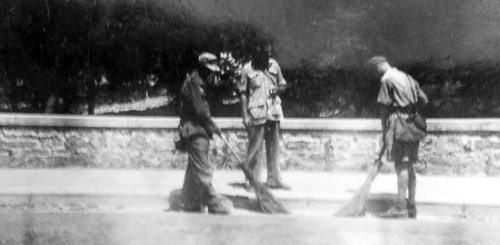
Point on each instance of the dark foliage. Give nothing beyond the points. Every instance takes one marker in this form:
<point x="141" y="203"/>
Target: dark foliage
<point x="467" y="90"/>
<point x="64" y="48"/>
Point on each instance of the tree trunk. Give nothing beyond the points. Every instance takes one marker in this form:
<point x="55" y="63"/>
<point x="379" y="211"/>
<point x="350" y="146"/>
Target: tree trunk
<point x="14" y="95"/>
<point x="91" y="96"/>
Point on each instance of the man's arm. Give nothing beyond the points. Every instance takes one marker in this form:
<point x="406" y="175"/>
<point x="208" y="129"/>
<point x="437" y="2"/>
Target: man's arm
<point x="383" y="94"/>
<point x="278" y="91"/>
<point x="384" y="101"/>
<point x="384" y="114"/>
<point x="243" y="90"/>
<point x="282" y="85"/>
<point x="200" y="108"/>
<point x="244" y="110"/>
<point x="198" y="104"/>
<point x="422" y="98"/>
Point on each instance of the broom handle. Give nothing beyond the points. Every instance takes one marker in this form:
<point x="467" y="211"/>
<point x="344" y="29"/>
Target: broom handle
<point x="242" y="166"/>
<point x="382" y="151"/>
<point x="231" y="149"/>
<point x="378" y="161"/>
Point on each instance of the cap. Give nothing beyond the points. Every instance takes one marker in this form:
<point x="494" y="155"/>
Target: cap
<point x="209" y="61"/>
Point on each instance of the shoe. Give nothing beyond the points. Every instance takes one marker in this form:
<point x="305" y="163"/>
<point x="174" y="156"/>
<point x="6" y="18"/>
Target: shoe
<point x="278" y="186"/>
<point x="220" y="205"/>
<point x="395" y="212"/>
<point x="178" y="203"/>
<point x="175" y="200"/>
<point x="195" y="209"/>
<point x="412" y="215"/>
<point x="412" y="209"/>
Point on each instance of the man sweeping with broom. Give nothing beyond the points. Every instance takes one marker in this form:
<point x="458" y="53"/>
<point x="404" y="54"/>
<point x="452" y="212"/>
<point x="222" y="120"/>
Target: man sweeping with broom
<point x="196" y="128"/>
<point x="399" y="97"/>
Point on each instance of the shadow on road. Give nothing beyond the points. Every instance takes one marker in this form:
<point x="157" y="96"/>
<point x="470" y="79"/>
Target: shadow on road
<point x="239" y="202"/>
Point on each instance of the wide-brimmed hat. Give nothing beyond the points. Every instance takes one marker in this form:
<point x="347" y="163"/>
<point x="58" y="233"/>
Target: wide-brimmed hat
<point x="209" y="60"/>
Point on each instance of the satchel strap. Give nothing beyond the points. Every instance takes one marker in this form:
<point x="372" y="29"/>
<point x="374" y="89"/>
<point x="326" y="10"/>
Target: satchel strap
<point x="413" y="109"/>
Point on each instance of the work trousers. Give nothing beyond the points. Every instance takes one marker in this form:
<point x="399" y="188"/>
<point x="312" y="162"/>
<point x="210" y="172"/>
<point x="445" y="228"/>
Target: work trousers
<point x="268" y="132"/>
<point x="197" y="189"/>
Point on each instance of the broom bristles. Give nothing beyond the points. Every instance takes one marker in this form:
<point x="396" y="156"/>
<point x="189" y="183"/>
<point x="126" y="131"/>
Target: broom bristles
<point x="357" y="205"/>
<point x="266" y="200"/>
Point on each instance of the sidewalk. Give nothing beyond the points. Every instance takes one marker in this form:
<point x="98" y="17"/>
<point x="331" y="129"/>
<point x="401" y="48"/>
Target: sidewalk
<point x="312" y="192"/>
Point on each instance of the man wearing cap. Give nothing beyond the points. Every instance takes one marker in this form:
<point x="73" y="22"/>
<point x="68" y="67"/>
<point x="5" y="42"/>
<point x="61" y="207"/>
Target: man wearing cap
<point x="260" y="85"/>
<point x="398" y="96"/>
<point x="196" y="128"/>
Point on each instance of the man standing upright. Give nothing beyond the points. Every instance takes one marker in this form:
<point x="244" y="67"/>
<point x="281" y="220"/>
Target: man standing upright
<point x="398" y="96"/>
<point x="196" y="128"/>
<point x="260" y="86"/>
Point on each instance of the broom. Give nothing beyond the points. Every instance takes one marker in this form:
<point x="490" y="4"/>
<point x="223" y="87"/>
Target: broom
<point x="265" y="198"/>
<point x="357" y="205"/>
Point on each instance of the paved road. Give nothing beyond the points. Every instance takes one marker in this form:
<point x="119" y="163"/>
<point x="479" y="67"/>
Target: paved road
<point x="312" y="192"/>
<point x="183" y="228"/>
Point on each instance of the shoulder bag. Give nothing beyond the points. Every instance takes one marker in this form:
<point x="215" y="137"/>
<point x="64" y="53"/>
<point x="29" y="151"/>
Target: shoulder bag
<point x="411" y="128"/>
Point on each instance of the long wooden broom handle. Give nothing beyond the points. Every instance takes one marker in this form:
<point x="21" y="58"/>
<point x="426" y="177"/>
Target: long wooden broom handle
<point x="230" y="148"/>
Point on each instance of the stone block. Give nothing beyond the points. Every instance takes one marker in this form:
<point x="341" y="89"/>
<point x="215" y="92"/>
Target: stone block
<point x="59" y="161"/>
<point x="160" y="143"/>
<point x="52" y="143"/>
<point x="25" y="145"/>
<point x="84" y="161"/>
<point x="38" y="152"/>
<point x="16" y="152"/>
<point x="138" y="142"/>
<point x="12" y="132"/>
<point x="316" y="156"/>
<point x="179" y="161"/>
<point x="485" y="144"/>
<point x="97" y="140"/>
<point x="75" y="143"/>
<point x="5" y="162"/>
<point x="115" y="159"/>
<point x="34" y="162"/>
<point x="151" y="161"/>
<point x="5" y="153"/>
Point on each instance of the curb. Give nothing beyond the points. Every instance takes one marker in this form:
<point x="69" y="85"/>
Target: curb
<point x="149" y="202"/>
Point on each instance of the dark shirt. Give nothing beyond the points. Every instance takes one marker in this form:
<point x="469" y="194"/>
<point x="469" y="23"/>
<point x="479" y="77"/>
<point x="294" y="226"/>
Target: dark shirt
<point x="195" y="116"/>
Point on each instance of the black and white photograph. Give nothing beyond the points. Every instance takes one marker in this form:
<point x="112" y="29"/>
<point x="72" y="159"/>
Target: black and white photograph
<point x="249" y="122"/>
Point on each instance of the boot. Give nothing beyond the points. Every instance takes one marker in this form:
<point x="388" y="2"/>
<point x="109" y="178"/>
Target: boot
<point x="412" y="209"/>
<point x="220" y="205"/>
<point x="277" y="185"/>
<point x="395" y="212"/>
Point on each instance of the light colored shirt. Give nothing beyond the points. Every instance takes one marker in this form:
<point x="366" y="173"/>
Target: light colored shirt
<point x="399" y="89"/>
<point x="257" y="85"/>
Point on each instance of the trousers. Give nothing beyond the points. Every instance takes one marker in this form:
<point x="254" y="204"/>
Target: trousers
<point x="197" y="189"/>
<point x="268" y="132"/>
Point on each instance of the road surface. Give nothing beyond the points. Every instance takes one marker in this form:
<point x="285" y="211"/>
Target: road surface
<point x="18" y="227"/>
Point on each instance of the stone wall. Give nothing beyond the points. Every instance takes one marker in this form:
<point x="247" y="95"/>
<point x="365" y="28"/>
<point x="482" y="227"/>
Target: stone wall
<point x="453" y="146"/>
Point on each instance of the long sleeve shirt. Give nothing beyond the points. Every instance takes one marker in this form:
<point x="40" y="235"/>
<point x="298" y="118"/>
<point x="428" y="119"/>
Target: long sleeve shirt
<point x="195" y="116"/>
